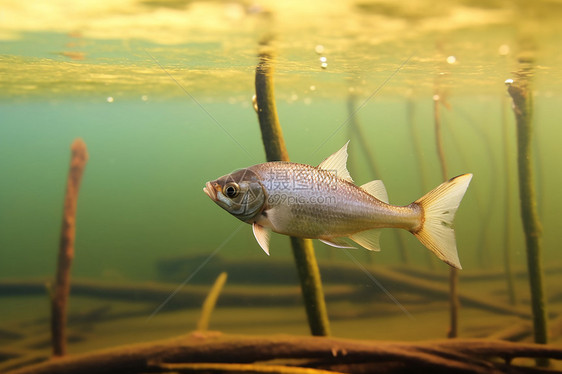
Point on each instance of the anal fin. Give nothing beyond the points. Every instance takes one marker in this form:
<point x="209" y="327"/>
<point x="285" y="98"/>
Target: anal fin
<point x="262" y="236"/>
<point x="368" y="239"/>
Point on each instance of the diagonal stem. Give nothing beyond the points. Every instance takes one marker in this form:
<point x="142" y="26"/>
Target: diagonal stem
<point x="275" y="150"/>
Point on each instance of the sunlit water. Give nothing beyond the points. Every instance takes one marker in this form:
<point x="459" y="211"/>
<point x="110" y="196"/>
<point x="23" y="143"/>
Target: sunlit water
<point x="161" y="92"/>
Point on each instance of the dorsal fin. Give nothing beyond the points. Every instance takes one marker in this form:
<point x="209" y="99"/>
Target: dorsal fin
<point x="336" y="164"/>
<point x="376" y="189"/>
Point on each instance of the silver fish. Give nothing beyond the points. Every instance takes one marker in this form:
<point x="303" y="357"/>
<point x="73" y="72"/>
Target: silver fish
<point x="323" y="203"/>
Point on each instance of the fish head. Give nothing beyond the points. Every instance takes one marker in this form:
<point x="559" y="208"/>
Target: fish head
<point x="240" y="193"/>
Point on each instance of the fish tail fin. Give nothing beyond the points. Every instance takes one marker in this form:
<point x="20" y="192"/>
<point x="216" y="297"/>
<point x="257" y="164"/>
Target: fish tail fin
<point x="438" y="211"/>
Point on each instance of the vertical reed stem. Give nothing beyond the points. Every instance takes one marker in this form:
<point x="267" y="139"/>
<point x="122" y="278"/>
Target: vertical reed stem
<point x="508" y="269"/>
<point x="356" y="127"/>
<point x="438" y="136"/>
<point x="59" y="301"/>
<point x="454" y="303"/>
<point x="416" y="143"/>
<point x="303" y="251"/>
<point x="521" y="94"/>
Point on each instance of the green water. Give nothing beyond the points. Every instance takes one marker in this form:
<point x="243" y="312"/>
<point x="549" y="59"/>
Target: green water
<point x="162" y="95"/>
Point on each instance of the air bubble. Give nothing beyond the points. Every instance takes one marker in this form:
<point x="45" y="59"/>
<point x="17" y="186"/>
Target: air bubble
<point x="255" y="103"/>
<point x="503" y="50"/>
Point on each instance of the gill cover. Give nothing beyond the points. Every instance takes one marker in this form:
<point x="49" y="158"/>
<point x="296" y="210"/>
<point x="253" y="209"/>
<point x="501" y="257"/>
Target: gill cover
<point x="239" y="193"/>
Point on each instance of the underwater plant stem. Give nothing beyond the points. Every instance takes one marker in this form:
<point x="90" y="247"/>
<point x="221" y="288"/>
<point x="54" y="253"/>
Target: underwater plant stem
<point x="438" y="137"/>
<point x="275" y="150"/>
<point x="59" y="300"/>
<point x="521" y="94"/>
<point x="454" y="303"/>
<point x="416" y="144"/>
<point x="356" y="127"/>
<point x="311" y="286"/>
<point x="210" y="302"/>
<point x="271" y="132"/>
<point x="508" y="266"/>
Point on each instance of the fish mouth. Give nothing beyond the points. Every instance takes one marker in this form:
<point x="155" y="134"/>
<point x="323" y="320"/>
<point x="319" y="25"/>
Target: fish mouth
<point x="210" y="190"/>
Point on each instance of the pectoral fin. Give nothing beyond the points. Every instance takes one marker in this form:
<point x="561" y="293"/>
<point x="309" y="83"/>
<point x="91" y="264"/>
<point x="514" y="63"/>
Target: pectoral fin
<point x="336" y="242"/>
<point x="262" y="236"/>
<point x="368" y="239"/>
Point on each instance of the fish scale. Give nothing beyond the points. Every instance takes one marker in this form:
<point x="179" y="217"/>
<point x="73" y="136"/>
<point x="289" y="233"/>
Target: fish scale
<point x="321" y="204"/>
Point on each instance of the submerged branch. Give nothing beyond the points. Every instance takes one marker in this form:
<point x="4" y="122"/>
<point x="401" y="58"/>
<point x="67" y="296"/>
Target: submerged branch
<point x="191" y="296"/>
<point x="344" y="355"/>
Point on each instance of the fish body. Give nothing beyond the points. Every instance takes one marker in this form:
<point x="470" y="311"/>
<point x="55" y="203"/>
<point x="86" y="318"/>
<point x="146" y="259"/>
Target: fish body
<point x="323" y="203"/>
<point x="311" y="202"/>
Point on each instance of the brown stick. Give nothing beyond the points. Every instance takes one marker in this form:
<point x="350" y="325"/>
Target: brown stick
<point x="235" y="295"/>
<point x="451" y="356"/>
<point x="514" y="332"/>
<point x="22" y="361"/>
<point x="79" y="157"/>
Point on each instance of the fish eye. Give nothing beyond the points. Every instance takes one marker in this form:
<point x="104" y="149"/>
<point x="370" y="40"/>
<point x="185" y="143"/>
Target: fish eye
<point x="231" y="190"/>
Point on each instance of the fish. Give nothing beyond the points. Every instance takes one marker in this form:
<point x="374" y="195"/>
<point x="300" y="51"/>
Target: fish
<point x="322" y="202"/>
